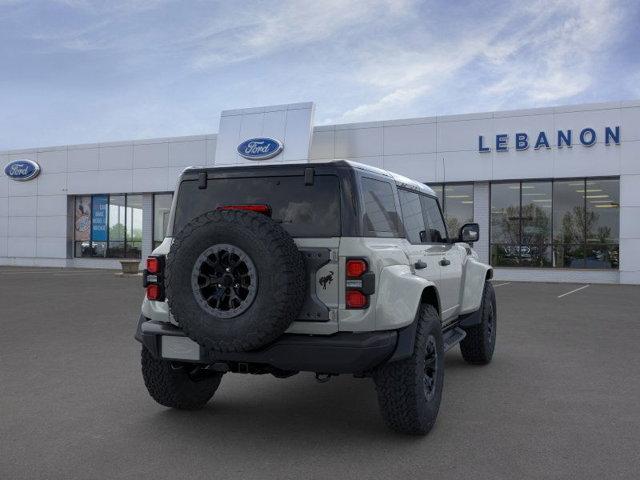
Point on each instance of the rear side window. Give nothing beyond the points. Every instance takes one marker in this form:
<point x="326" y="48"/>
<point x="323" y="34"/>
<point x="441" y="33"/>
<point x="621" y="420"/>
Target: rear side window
<point x="380" y="214"/>
<point x="302" y="210"/>
<point x="436" y="231"/>
<point x="412" y="216"/>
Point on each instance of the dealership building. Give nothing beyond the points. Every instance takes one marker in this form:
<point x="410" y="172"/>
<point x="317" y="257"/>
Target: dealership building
<point x="556" y="190"/>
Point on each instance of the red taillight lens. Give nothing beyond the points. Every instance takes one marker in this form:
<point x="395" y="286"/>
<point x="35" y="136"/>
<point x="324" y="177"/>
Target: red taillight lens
<point x="355" y="268"/>
<point x="153" y="292"/>
<point x="153" y="265"/>
<point x="264" y="209"/>
<point x="356" y="299"/>
<point x="153" y="278"/>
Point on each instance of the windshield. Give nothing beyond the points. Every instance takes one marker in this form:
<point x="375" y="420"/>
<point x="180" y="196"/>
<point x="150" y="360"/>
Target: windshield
<point x="302" y="210"/>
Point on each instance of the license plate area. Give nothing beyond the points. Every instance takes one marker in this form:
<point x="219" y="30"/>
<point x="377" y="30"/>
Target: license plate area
<point x="179" y="348"/>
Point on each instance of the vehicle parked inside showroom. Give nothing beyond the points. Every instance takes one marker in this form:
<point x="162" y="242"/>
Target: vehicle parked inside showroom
<point x="332" y="268"/>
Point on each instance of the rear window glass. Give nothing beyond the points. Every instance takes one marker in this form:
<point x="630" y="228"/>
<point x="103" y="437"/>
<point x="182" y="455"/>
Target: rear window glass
<point x="380" y="214"/>
<point x="302" y="210"/>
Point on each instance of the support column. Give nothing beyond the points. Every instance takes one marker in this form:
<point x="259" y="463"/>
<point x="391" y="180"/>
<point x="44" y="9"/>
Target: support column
<point x="147" y="225"/>
<point x="482" y="216"/>
<point x="629" y="229"/>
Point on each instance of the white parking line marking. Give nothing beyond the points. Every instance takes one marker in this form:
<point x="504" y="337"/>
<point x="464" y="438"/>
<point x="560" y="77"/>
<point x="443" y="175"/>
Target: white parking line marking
<point x="501" y="284"/>
<point x="573" y="291"/>
<point x="20" y="273"/>
<point x="57" y="273"/>
<point x="80" y="273"/>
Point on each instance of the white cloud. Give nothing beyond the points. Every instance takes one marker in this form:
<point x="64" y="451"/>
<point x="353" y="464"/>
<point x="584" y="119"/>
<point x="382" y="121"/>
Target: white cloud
<point x="555" y="63"/>
<point x="255" y="33"/>
<point x="542" y="52"/>
<point x="406" y="76"/>
<point x="397" y="98"/>
<point x="160" y="68"/>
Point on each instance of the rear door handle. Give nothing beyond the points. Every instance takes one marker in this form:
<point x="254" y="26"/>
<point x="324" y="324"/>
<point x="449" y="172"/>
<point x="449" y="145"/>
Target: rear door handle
<point x="419" y="265"/>
<point x="444" y="262"/>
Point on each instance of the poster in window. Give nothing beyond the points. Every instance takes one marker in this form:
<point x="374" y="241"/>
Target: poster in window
<point x="83" y="219"/>
<point x="99" y="214"/>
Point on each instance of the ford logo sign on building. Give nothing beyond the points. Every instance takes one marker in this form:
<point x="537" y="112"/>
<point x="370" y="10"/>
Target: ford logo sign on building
<point x="22" y="170"/>
<point x="260" y="148"/>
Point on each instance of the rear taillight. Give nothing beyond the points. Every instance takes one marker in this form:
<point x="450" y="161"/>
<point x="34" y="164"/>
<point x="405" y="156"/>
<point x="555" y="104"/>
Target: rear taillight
<point x="258" y="208"/>
<point x="356" y="299"/>
<point x="153" y="292"/>
<point x="153" y="278"/>
<point x="153" y="265"/>
<point x="356" y="267"/>
<point x="360" y="283"/>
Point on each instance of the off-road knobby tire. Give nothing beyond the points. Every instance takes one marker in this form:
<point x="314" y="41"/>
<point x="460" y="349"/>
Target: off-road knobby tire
<point x="401" y="396"/>
<point x="170" y="383"/>
<point x="477" y="347"/>
<point x="281" y="282"/>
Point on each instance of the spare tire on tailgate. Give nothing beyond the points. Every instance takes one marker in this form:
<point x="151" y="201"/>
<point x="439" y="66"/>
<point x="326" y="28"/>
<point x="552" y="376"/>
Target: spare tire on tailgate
<point x="235" y="280"/>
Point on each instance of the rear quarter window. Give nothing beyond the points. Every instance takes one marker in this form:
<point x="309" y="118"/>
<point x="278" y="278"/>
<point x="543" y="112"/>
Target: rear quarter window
<point x="381" y="217"/>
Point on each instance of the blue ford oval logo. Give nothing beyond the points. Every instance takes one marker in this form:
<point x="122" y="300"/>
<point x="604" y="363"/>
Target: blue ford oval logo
<point x="22" y="170"/>
<point x="260" y="148"/>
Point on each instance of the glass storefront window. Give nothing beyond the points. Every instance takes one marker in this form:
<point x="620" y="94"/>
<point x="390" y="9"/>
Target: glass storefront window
<point x="603" y="223"/>
<point x="603" y="211"/>
<point x="456" y="201"/>
<point x="536" y="200"/>
<point x="161" y="210"/>
<point x="134" y="226"/>
<point x="108" y="226"/>
<point x="439" y="190"/>
<point x="458" y="206"/>
<point x="505" y="224"/>
<point x="568" y="223"/>
<point x="564" y="224"/>
<point x="117" y="219"/>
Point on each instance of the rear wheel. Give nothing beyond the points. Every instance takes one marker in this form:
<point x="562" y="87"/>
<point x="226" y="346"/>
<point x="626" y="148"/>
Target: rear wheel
<point x="184" y="386"/>
<point x="477" y="347"/>
<point x="409" y="391"/>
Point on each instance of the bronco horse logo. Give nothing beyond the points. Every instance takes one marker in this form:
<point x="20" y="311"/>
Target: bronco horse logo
<point x="326" y="280"/>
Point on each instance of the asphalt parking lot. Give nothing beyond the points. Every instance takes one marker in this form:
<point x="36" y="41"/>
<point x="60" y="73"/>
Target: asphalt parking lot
<point x="560" y="400"/>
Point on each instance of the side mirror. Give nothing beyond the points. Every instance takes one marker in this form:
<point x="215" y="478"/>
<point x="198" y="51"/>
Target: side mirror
<point x="469" y="233"/>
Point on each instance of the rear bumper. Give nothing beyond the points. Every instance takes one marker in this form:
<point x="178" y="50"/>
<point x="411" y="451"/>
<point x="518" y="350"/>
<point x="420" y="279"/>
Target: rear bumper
<point x="342" y="352"/>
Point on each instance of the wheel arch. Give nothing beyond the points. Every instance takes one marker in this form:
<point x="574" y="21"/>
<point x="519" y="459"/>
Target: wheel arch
<point x="399" y="295"/>
<point x="430" y="296"/>
<point x="407" y="335"/>
<point x="473" y="279"/>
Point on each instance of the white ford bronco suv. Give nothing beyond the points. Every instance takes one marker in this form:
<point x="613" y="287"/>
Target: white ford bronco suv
<point x="330" y="268"/>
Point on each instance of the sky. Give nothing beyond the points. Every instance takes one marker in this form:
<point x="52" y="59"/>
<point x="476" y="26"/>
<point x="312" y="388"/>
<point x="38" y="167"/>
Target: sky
<point x="80" y="71"/>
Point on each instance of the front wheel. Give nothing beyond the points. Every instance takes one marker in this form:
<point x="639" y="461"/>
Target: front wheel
<point x="409" y="391"/>
<point x="178" y="385"/>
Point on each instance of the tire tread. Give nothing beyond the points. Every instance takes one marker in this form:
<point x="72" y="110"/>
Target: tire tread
<point x="175" y="389"/>
<point x="475" y="347"/>
<point x="399" y="384"/>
